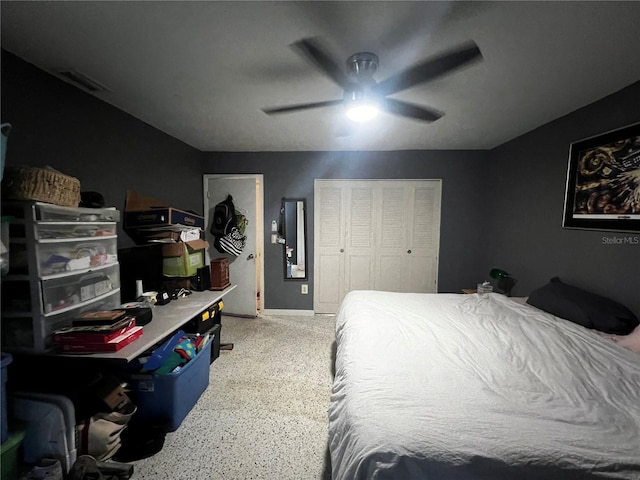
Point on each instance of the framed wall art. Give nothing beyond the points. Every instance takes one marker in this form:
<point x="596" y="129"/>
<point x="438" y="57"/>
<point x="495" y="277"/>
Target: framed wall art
<point x="603" y="182"/>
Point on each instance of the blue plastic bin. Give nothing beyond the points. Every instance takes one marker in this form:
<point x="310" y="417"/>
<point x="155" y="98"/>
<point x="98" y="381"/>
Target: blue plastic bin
<point x="6" y="360"/>
<point x="171" y="396"/>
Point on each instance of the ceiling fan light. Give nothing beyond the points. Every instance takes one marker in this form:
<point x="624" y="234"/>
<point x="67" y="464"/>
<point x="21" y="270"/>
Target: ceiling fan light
<point x="362" y="111"/>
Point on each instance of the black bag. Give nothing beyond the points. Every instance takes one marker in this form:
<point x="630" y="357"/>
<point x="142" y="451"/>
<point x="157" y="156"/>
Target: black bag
<point x="224" y="218"/>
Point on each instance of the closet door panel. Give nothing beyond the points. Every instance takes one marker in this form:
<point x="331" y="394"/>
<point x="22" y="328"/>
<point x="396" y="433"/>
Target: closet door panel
<point x="390" y="276"/>
<point x="358" y="272"/>
<point x="360" y="253"/>
<point x="329" y="292"/>
<point x="391" y="236"/>
<point x="423" y="231"/>
<point x="329" y="246"/>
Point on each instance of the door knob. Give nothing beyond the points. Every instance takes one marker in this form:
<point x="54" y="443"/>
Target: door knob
<point x="409" y="251"/>
<point x="250" y="256"/>
<point x="342" y="250"/>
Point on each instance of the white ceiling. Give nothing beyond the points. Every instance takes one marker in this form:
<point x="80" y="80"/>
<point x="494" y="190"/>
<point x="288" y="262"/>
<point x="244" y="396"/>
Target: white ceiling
<point x="202" y="71"/>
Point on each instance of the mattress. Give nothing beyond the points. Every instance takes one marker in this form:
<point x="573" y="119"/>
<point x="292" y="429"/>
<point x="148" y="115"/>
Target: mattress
<point x="448" y="386"/>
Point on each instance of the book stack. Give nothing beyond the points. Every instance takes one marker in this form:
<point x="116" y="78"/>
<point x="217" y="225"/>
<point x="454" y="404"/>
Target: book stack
<point x="104" y="331"/>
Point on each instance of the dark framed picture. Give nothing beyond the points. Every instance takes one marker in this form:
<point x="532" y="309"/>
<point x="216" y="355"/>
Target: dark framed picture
<point x="603" y="182"/>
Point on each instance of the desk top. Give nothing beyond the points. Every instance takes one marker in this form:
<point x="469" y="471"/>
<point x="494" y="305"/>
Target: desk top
<point x="166" y="319"/>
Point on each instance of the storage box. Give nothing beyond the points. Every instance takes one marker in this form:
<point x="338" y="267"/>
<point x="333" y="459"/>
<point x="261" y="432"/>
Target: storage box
<point x="148" y="212"/>
<point x="50" y="426"/>
<point x="183" y="259"/>
<point x="171" y="396"/>
<point x="9" y="459"/>
<point x="220" y="274"/>
<point x="159" y="217"/>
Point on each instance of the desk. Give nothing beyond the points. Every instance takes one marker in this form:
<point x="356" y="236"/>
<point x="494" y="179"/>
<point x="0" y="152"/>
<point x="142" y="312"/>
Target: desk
<point x="166" y="320"/>
<point x="80" y="376"/>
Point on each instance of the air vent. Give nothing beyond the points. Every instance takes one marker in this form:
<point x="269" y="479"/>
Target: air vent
<point x="82" y="81"/>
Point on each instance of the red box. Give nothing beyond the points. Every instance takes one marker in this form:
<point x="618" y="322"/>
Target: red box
<point x="111" y="346"/>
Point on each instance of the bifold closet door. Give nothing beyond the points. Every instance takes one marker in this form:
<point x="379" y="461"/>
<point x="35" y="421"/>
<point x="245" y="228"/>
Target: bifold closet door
<point x="344" y="242"/>
<point x="408" y="236"/>
<point x="374" y="235"/>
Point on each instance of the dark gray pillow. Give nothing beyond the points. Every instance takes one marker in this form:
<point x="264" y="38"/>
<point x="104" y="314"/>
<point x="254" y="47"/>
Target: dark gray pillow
<point x="584" y="308"/>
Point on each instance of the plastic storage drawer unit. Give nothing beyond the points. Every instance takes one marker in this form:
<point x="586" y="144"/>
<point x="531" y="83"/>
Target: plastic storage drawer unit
<point x="172" y="396"/>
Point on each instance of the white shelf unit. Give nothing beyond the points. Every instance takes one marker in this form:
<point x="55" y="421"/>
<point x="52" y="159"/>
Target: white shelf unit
<point x="63" y="262"/>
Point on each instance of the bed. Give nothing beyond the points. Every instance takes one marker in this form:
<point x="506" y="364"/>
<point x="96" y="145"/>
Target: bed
<point x="453" y="386"/>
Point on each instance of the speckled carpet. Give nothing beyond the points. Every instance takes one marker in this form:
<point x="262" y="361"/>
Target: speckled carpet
<point x="264" y="414"/>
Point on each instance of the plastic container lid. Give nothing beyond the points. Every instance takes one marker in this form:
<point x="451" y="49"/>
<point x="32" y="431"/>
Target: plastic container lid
<point x="6" y="359"/>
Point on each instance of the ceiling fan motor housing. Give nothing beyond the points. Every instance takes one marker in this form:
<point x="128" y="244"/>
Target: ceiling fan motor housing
<point x="362" y="65"/>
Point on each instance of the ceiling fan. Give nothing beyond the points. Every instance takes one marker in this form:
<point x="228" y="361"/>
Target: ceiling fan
<point x="363" y="95"/>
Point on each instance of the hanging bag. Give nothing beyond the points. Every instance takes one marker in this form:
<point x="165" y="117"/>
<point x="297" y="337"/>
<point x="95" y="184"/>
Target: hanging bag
<point x="224" y="217"/>
<point x="228" y="228"/>
<point x="233" y="243"/>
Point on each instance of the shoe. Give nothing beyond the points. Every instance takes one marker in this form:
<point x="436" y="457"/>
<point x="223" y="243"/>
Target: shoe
<point x="45" y="469"/>
<point x="87" y="467"/>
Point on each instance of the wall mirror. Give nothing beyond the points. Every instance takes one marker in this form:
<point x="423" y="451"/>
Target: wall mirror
<point x="293" y="224"/>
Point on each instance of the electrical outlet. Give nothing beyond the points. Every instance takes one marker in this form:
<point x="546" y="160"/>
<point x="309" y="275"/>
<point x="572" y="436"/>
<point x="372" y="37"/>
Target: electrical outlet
<point x="304" y="289"/>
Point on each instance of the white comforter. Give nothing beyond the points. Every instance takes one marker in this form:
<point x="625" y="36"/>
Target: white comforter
<point x="447" y="386"/>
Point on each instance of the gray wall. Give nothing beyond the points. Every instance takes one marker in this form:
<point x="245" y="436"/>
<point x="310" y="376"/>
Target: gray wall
<point x="501" y="208"/>
<point x="292" y="174"/>
<point x="108" y="150"/>
<point x="526" y="198"/>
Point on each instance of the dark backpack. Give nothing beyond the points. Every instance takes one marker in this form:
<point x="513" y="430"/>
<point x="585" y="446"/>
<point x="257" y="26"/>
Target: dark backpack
<point x="224" y="218"/>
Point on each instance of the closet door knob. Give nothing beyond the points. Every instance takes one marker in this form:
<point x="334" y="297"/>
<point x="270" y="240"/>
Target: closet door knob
<point x="409" y="251"/>
<point x="342" y="250"/>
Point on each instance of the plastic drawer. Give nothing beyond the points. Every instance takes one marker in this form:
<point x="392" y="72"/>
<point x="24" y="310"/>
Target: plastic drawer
<point x="55" y="213"/>
<point x="55" y="256"/>
<point x="66" y="231"/>
<point x="65" y="292"/>
<point x="23" y="332"/>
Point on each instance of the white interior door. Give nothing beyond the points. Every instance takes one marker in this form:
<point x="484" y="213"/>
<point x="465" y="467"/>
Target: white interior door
<point x="245" y="270"/>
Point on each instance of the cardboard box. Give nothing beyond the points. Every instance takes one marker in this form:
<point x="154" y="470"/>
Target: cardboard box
<point x="115" y="398"/>
<point x="183" y="259"/>
<point x="147" y="212"/>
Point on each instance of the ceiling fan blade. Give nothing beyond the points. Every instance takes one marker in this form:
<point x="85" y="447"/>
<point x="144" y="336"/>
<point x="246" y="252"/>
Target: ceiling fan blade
<point x="301" y="106"/>
<point x="404" y="109"/>
<point x="429" y="69"/>
<point x="317" y="54"/>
